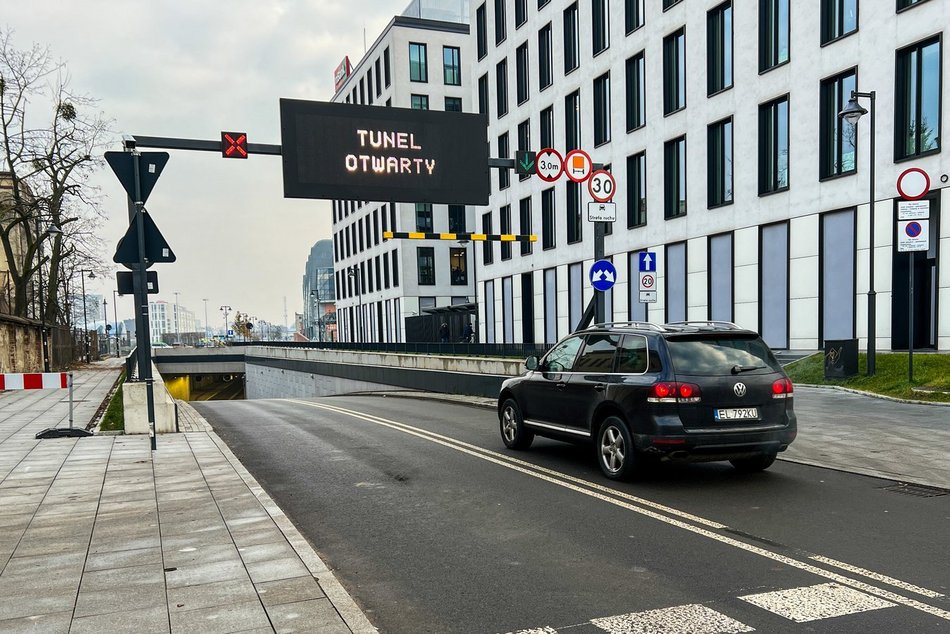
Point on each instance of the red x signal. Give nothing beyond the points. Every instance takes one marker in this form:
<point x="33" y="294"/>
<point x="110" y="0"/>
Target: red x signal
<point x="234" y="145"/>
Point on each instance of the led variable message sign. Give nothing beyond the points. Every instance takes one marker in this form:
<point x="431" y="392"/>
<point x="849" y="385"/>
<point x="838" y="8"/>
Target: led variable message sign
<point x="350" y="152"/>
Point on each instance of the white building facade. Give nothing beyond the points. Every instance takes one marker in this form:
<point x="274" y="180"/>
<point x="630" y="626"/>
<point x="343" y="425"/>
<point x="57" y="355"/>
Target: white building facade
<point x="421" y="60"/>
<point x="719" y="122"/>
<point x="168" y="319"/>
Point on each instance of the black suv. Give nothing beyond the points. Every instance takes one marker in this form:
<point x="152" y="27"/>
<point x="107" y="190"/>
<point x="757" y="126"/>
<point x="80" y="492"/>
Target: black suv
<point x="687" y="391"/>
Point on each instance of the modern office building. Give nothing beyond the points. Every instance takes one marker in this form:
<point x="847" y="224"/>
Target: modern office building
<point x="166" y="320"/>
<point x="422" y="59"/>
<point x="719" y="121"/>
<point x="319" y="293"/>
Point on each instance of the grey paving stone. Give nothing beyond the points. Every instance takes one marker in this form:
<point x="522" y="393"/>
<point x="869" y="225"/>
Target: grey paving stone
<point x="273" y="569"/>
<point x="120" y="598"/>
<point x="228" y="618"/>
<point x="200" y="554"/>
<point x="56" y="623"/>
<point x="263" y="552"/>
<point x="289" y="590"/>
<point x="94" y="580"/>
<point x="30" y="547"/>
<point x="123" y="558"/>
<point x="217" y="536"/>
<point x="316" y="615"/>
<point x="205" y="573"/>
<point x="144" y="621"/>
<point x="257" y="536"/>
<point x="34" y="603"/>
<point x="211" y="594"/>
<point x="192" y="527"/>
<point x="124" y="543"/>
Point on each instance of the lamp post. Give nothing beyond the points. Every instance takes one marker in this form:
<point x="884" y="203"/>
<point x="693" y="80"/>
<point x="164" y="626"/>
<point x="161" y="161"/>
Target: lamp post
<point x="852" y="113"/>
<point x="105" y="322"/>
<point x="115" y="318"/>
<point x="474" y="282"/>
<point x="44" y="331"/>
<point x="85" y="317"/>
<point x="177" y="320"/>
<point x="354" y="272"/>
<point x="207" y="333"/>
<point x="225" y="310"/>
<point x="316" y="293"/>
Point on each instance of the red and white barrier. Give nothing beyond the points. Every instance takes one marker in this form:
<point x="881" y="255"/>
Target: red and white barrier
<point x="35" y="381"/>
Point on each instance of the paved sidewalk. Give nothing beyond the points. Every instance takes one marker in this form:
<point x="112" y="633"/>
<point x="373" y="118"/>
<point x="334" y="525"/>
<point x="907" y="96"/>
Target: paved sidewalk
<point x="101" y="535"/>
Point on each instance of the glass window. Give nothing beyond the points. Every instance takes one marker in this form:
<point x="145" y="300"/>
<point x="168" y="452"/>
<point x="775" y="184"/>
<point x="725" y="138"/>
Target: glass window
<point x="521" y="12"/>
<point x="572" y="121"/>
<point x="548" y="225"/>
<point x="598" y="355"/>
<point x="379" y="79"/>
<point x="505" y="214"/>
<point x="720" y="164"/>
<point x="839" y="140"/>
<point x="773" y="145"/>
<point x="459" y="266"/>
<point x="773" y="33"/>
<point x="425" y="259"/>
<point x="521" y="72"/>
<point x="418" y="70"/>
<point x="457" y="219"/>
<point x="917" y="107"/>
<point x="636" y="92"/>
<point x="395" y="255"/>
<point x="633" y="15"/>
<point x="386" y="66"/>
<point x="483" y="95"/>
<point x="419" y="102"/>
<point x="501" y="87"/>
<point x="669" y="3"/>
<point x="547" y="127"/>
<point x="451" y="66"/>
<point x="561" y="357"/>
<point x="369" y="86"/>
<point x="501" y="27"/>
<point x="633" y="355"/>
<point x="716" y="357"/>
<point x="575" y="226"/>
<point x="719" y="48"/>
<point x="453" y="104"/>
<point x="674" y="71"/>
<point x="481" y="32"/>
<point x="601" y="26"/>
<point x="636" y="190"/>
<point x="545" y="73"/>
<point x="674" y="178"/>
<point x="488" y="250"/>
<point x="424" y="217"/>
<point x="524" y="141"/>
<point x="504" y="176"/>
<point x="602" y="109"/>
<point x="524" y="213"/>
<point x="838" y="18"/>
<point x="571" y="50"/>
<point x="905" y="4"/>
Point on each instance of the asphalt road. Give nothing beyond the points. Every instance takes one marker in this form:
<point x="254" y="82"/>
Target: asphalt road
<point x="433" y="526"/>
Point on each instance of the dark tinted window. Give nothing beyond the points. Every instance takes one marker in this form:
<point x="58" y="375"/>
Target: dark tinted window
<point x="633" y="355"/>
<point x="561" y="357"/>
<point x="719" y="355"/>
<point x="598" y="355"/>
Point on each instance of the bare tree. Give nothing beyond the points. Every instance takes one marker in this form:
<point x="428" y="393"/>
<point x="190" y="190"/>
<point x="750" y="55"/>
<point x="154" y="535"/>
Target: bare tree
<point x="50" y="140"/>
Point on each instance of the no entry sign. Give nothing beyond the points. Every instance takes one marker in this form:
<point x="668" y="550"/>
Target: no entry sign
<point x="913" y="183"/>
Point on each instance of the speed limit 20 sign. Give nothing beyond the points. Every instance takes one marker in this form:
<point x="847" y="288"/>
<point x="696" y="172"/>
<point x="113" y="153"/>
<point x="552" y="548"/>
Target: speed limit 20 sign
<point x="602" y="186"/>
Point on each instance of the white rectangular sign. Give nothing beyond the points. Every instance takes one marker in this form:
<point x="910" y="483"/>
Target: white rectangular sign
<point x="913" y="209"/>
<point x="913" y="235"/>
<point x="647" y="297"/>
<point x="601" y="212"/>
<point x="648" y="281"/>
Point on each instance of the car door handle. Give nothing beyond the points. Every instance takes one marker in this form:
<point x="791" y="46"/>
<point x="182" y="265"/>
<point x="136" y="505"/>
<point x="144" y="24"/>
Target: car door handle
<point x="600" y="387"/>
<point x="561" y="386"/>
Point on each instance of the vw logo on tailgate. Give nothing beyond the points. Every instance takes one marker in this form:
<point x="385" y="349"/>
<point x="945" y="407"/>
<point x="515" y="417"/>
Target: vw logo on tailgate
<point x="739" y="389"/>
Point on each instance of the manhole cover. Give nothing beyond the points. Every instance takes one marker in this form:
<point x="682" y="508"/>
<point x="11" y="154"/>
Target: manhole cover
<point x="917" y="490"/>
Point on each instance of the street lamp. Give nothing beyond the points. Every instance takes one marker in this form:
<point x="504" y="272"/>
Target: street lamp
<point x="474" y="282"/>
<point x="316" y="293"/>
<point x="354" y="272"/>
<point x="207" y="333"/>
<point x="115" y="318"/>
<point x="105" y="322"/>
<point x="44" y="331"/>
<point x="85" y="318"/>
<point x="177" y="320"/>
<point x="225" y="310"/>
<point x="852" y="113"/>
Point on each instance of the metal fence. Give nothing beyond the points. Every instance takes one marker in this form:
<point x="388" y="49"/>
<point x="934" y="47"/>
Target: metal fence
<point x="509" y="350"/>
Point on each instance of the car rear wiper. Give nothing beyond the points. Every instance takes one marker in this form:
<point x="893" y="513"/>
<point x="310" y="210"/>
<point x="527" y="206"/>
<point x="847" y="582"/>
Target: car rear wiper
<point x="738" y="369"/>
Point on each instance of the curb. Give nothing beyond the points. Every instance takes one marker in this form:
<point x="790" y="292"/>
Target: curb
<point x="893" y="399"/>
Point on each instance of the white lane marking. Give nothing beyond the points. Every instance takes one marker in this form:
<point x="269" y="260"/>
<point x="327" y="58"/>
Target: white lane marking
<point x="682" y="619"/>
<point x="504" y="461"/>
<point x="897" y="583"/>
<point x="814" y="603"/>
<point x="537" y="630"/>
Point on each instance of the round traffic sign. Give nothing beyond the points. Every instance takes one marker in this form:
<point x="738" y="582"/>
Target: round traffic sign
<point x="578" y="166"/>
<point x="549" y="164"/>
<point x="602" y="186"/>
<point x="913" y="183"/>
<point x="913" y="229"/>
<point x="647" y="280"/>
<point x="602" y="275"/>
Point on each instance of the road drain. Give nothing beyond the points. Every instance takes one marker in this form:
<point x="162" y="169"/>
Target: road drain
<point x="917" y="490"/>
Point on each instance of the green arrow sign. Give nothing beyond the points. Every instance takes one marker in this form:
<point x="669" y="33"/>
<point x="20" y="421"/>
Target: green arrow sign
<point x="524" y="162"/>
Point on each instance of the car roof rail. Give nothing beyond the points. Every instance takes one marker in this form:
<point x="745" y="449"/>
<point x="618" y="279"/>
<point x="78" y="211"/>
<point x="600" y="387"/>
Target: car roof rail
<point x="723" y="325"/>
<point x="635" y="324"/>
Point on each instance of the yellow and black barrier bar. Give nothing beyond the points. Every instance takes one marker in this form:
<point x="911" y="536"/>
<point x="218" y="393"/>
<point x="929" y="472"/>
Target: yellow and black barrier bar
<point x="478" y="237"/>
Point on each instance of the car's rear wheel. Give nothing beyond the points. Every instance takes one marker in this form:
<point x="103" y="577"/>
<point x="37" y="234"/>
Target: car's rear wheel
<point x="755" y="463"/>
<point x="615" y="452"/>
<point x="513" y="431"/>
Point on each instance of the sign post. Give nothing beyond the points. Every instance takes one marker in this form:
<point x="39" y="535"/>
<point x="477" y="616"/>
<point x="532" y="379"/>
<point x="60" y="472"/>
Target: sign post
<point x="913" y="234"/>
<point x="647" y="261"/>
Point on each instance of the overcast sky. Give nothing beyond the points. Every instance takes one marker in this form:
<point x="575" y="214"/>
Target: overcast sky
<point x="192" y="69"/>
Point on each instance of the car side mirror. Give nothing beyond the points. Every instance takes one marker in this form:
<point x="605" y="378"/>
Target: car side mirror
<point x="531" y="363"/>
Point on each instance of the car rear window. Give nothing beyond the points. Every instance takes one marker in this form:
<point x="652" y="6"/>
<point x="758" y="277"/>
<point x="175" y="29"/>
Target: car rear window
<point x="719" y="355"/>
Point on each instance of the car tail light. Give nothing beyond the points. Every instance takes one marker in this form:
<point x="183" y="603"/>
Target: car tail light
<point x="673" y="392"/>
<point x="782" y="388"/>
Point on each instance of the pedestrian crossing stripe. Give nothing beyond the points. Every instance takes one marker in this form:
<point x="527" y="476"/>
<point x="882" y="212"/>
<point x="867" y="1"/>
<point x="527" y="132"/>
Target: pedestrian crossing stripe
<point x="475" y="237"/>
<point x="801" y="605"/>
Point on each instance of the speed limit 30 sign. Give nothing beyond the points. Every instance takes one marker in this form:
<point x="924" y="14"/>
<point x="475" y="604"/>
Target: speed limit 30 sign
<point x="602" y="186"/>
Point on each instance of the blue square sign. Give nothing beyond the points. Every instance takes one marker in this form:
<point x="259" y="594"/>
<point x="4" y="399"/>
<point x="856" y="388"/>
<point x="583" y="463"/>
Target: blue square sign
<point x="647" y="261"/>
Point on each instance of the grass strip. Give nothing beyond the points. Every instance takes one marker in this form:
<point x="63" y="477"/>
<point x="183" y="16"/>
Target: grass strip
<point x="114" y="418"/>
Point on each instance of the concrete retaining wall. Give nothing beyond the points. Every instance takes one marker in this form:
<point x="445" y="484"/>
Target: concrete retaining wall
<point x="135" y="406"/>
<point x="21" y="345"/>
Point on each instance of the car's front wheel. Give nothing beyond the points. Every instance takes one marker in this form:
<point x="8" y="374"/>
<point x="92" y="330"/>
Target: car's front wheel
<point x="615" y="452"/>
<point x="755" y="463"/>
<point x="513" y="431"/>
